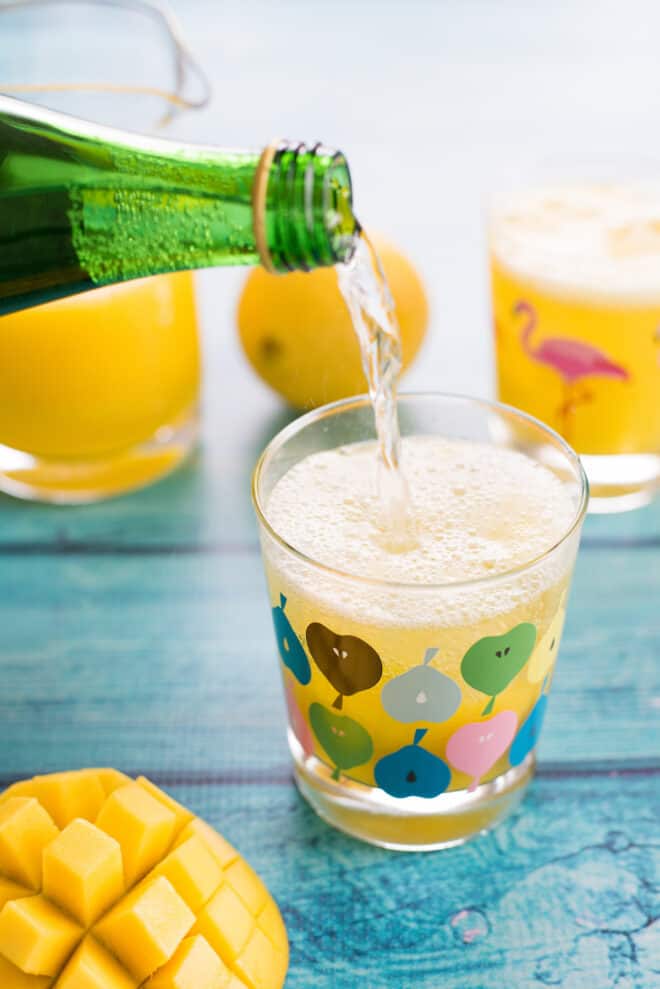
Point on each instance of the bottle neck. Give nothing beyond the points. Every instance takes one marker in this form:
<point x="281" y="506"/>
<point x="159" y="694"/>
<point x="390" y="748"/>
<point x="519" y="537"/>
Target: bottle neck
<point x="302" y="207"/>
<point x="82" y="205"/>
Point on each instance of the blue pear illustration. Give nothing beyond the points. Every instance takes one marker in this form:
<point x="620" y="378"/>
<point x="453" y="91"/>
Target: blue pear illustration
<point x="412" y="771"/>
<point x="529" y="732"/>
<point x="291" y="650"/>
<point x="421" y="694"/>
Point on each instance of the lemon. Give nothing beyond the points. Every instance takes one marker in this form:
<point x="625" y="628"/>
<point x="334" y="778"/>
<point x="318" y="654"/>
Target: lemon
<point x="298" y="336"/>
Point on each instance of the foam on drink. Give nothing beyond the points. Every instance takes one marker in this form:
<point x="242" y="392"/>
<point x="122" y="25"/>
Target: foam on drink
<point x="477" y="510"/>
<point x="595" y="241"/>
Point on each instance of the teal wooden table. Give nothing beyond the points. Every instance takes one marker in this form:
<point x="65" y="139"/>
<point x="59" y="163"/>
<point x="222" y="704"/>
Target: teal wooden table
<point x="137" y="633"/>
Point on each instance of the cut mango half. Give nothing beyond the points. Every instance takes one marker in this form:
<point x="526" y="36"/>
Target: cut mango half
<point x="108" y="883"/>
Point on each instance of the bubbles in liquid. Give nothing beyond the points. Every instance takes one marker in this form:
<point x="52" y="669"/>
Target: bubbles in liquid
<point x="512" y="511"/>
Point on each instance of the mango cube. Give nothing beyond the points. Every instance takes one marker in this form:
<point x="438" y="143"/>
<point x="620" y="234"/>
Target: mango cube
<point x="24" y="788"/>
<point x="92" y="967"/>
<point x="222" y="851"/>
<point x="226" y="923"/>
<point x="130" y="891"/>
<point x="83" y="871"/>
<point x="141" y="824"/>
<point x="271" y="923"/>
<point x="25" y="830"/>
<point x="35" y="936"/>
<point x="244" y="881"/>
<point x="182" y="814"/>
<point x="111" y="779"/>
<point x="193" y="872"/>
<point x="69" y="795"/>
<point x="259" y="964"/>
<point x="12" y="978"/>
<point x="12" y="891"/>
<point x="146" y="927"/>
<point x="194" y="965"/>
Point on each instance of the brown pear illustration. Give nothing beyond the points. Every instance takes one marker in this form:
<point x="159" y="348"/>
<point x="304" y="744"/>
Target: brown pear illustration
<point x="349" y="663"/>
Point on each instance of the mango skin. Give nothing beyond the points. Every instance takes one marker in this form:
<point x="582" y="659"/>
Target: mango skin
<point x="91" y="846"/>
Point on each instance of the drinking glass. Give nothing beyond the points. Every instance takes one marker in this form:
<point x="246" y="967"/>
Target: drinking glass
<point x="575" y="274"/>
<point x="99" y="393"/>
<point x="428" y="735"/>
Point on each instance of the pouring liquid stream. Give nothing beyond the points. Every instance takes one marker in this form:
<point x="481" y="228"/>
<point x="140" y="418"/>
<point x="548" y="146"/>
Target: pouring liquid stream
<point x="367" y="295"/>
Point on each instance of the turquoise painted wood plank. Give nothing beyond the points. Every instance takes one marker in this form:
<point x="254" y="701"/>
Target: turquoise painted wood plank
<point x="552" y="897"/>
<point x="168" y="662"/>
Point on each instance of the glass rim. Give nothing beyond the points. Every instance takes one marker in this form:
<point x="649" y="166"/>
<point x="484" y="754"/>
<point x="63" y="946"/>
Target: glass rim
<point x="360" y="401"/>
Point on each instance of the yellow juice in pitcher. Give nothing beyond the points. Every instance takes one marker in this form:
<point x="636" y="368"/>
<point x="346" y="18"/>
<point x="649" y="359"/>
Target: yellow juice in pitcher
<point x="439" y="684"/>
<point x="93" y="389"/>
<point x="576" y="303"/>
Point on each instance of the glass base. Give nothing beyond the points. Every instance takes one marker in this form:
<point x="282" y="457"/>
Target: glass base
<point x="412" y="824"/>
<point x="84" y="481"/>
<point x="621" y="482"/>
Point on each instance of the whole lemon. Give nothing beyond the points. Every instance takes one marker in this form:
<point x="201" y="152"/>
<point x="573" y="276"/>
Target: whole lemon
<point x="298" y="335"/>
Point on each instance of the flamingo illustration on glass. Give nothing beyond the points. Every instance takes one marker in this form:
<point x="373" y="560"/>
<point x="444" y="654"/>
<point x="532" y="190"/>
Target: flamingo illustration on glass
<point x="576" y="318"/>
<point x="572" y="360"/>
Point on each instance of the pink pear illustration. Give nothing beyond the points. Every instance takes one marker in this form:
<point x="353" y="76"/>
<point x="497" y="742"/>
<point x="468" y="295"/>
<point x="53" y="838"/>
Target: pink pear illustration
<point x="298" y="722"/>
<point x="475" y="748"/>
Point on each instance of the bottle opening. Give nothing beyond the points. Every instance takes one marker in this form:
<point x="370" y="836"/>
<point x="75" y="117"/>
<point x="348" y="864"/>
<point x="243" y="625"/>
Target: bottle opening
<point x="303" y="207"/>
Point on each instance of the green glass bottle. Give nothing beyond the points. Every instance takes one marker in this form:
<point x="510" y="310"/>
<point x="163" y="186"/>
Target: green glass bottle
<point x="83" y="206"/>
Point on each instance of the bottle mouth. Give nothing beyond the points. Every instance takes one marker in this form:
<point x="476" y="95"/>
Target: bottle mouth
<point x="303" y="207"/>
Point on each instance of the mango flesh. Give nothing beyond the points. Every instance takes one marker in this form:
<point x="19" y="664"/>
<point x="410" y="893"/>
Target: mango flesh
<point x="83" y="871"/>
<point x="195" y="965"/>
<point x="109" y="883"/>
<point x="92" y="967"/>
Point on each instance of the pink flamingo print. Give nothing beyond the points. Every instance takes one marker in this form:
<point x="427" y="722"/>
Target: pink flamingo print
<point x="573" y="361"/>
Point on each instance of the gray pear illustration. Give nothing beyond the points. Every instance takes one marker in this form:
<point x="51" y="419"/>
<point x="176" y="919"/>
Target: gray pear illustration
<point x="421" y="694"/>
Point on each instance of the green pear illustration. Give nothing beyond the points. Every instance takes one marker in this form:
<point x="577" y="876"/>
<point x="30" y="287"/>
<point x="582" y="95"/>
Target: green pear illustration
<point x="421" y="694"/>
<point x="349" y="663"/>
<point x="347" y="743"/>
<point x="491" y="663"/>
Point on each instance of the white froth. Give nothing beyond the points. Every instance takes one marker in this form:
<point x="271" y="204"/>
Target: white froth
<point x="477" y="510"/>
<point x="599" y="241"/>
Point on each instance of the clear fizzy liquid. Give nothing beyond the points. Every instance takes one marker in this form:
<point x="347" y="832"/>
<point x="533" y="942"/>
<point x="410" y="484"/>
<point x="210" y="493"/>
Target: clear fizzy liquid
<point x="367" y="295"/>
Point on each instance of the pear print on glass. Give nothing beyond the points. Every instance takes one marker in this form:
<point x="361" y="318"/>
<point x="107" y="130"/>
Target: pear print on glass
<point x="475" y="748"/>
<point x="545" y="653"/>
<point x="491" y="663"/>
<point x="530" y="730"/>
<point x="347" y="743"/>
<point x="421" y="694"/>
<point x="412" y="771"/>
<point x="349" y="663"/>
<point x="291" y="650"/>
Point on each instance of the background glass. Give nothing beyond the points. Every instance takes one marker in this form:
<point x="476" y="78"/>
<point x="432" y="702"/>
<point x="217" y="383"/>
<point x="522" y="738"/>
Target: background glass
<point x="99" y="393"/>
<point x="577" y="332"/>
<point x="495" y="739"/>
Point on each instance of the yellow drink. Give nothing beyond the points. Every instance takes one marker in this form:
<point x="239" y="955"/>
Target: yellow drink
<point x="87" y="383"/>
<point x="422" y="675"/>
<point x="576" y="299"/>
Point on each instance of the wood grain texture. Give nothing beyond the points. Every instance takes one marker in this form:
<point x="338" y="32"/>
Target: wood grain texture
<point x="137" y="633"/>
